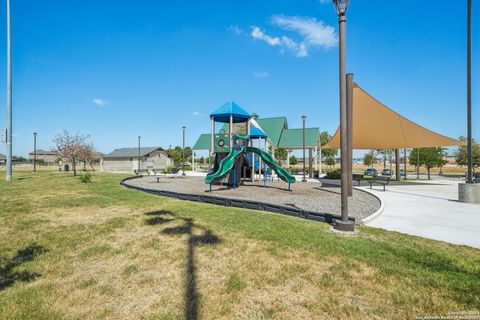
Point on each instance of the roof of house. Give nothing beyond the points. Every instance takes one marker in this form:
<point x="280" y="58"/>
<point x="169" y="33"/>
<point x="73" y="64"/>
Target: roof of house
<point x="293" y="138"/>
<point x="132" y="152"/>
<point x="230" y="109"/>
<point x="48" y="152"/>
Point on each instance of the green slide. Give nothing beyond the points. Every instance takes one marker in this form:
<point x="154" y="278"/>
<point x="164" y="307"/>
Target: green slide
<point x="225" y="166"/>
<point x="282" y="173"/>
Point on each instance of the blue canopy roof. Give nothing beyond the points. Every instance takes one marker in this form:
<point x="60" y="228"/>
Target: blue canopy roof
<point x="232" y="109"/>
<point x="256" y="133"/>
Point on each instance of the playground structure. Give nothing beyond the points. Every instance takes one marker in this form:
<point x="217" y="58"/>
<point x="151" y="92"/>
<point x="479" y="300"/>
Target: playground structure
<point x="235" y="156"/>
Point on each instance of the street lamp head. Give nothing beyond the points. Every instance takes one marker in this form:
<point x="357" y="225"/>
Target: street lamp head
<point x="341" y="6"/>
<point x="304" y="117"/>
<point x="183" y="127"/>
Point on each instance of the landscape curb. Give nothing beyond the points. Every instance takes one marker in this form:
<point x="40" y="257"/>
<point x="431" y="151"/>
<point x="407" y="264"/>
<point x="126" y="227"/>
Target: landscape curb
<point x="240" y="203"/>
<point x="377" y="213"/>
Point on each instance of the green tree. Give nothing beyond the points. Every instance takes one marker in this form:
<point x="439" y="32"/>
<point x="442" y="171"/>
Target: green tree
<point x="461" y="154"/>
<point x="368" y="159"/>
<point x="281" y="154"/>
<point x="330" y="161"/>
<point x="293" y="160"/>
<point x="176" y="155"/>
<point x="201" y="160"/>
<point x="428" y="157"/>
<point x="324" y="138"/>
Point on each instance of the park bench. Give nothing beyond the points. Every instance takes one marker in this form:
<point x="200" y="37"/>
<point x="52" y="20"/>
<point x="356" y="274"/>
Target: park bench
<point x="139" y="171"/>
<point x="379" y="180"/>
<point x="358" y="177"/>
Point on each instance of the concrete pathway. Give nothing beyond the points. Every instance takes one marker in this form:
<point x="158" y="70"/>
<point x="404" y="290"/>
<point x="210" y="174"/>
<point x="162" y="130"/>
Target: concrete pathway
<point x="429" y="210"/>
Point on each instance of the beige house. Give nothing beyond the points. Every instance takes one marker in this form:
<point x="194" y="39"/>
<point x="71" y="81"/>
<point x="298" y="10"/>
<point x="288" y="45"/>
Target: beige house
<point x="3" y="159"/>
<point x="46" y="157"/>
<point x="126" y="159"/>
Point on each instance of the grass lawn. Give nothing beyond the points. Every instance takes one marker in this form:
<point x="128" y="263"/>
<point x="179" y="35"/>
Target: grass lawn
<point x="82" y="251"/>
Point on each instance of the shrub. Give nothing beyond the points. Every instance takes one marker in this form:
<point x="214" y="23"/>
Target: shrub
<point x="86" y="177"/>
<point x="333" y="174"/>
<point x="168" y="169"/>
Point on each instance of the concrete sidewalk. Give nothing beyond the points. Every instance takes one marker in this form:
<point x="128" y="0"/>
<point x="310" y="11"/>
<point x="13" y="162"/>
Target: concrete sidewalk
<point x="430" y="211"/>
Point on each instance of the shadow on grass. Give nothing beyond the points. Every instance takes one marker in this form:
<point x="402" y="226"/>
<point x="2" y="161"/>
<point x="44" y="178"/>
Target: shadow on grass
<point x="8" y="277"/>
<point x="197" y="236"/>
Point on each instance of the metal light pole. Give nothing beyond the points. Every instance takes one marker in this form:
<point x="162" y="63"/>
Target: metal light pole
<point x="304" y="117"/>
<point x="183" y="151"/>
<point x="138" y="166"/>
<point x="34" y="152"/>
<point x="405" y="163"/>
<point x="349" y="103"/>
<point x="8" y="175"/>
<point x="343" y="225"/>
<point x="469" y="91"/>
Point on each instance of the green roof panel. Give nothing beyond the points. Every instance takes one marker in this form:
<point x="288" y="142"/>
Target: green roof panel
<point x="204" y="142"/>
<point x="293" y="138"/>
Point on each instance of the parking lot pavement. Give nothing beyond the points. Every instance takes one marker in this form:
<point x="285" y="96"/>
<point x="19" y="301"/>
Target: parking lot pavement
<point x="429" y="210"/>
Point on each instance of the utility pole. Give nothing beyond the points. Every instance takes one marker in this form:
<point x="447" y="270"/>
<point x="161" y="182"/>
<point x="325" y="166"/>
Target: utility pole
<point x="183" y="151"/>
<point x="138" y="162"/>
<point x="344" y="224"/>
<point x="34" y="152"/>
<point x="8" y="175"/>
<point x="469" y="91"/>
<point x="304" y="117"/>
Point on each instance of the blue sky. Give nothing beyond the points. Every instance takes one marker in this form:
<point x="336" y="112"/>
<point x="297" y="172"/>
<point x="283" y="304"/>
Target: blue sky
<point x="119" y="69"/>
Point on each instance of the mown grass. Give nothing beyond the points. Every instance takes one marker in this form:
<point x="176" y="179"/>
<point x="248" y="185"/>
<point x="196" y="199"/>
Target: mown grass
<point x="98" y="250"/>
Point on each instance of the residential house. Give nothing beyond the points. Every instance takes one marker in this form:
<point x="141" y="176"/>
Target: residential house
<point x="127" y="160"/>
<point x="45" y="157"/>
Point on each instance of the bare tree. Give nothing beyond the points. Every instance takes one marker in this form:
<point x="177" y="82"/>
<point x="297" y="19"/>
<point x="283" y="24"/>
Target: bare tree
<point x="69" y="146"/>
<point x="87" y="155"/>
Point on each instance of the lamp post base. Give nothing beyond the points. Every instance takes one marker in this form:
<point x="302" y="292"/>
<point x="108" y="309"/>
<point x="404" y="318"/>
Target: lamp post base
<point x="469" y="192"/>
<point x="348" y="226"/>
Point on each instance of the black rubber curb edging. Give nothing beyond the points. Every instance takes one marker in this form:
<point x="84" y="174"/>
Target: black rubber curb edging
<point x="241" y="203"/>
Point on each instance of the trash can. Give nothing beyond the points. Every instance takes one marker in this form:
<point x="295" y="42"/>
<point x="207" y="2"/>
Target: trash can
<point x="66" y="167"/>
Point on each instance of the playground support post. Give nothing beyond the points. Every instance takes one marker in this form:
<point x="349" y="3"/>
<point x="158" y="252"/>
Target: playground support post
<point x="405" y="163"/>
<point x="212" y="127"/>
<point x="350" y="132"/>
<point x="344" y="224"/>
<point x="34" y="152"/>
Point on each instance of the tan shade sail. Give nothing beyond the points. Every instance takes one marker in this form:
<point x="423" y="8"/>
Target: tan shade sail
<point x="376" y="126"/>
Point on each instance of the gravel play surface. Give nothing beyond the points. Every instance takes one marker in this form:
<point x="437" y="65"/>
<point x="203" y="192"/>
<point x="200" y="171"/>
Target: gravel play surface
<point x="310" y="196"/>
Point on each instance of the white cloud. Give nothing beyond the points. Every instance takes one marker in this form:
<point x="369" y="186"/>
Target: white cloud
<point x="314" y="32"/>
<point x="261" y="74"/>
<point x="100" y="102"/>
<point x="196" y="114"/>
<point x="259" y="34"/>
<point x="236" y="30"/>
<point x="284" y="42"/>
